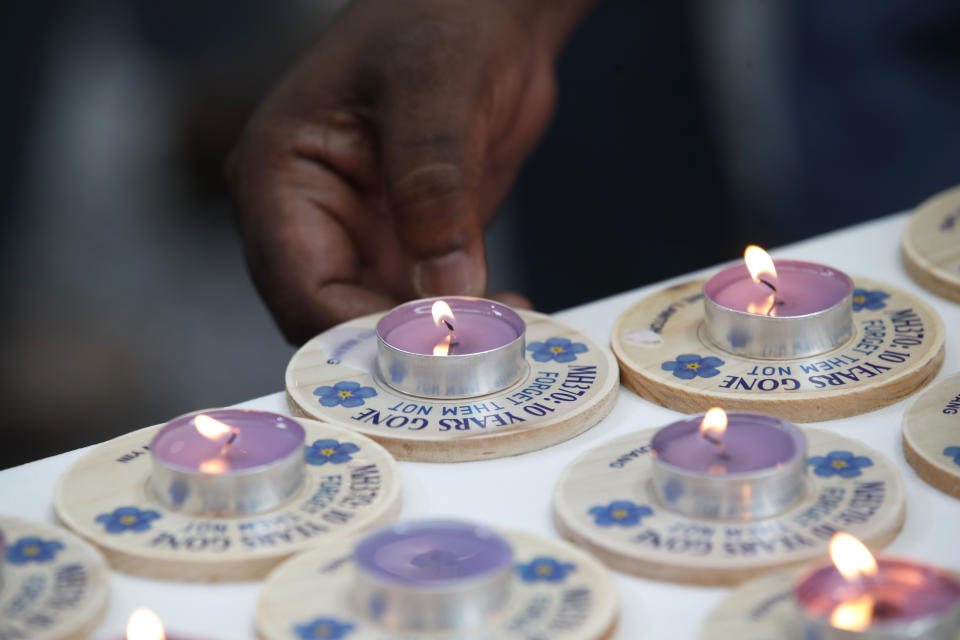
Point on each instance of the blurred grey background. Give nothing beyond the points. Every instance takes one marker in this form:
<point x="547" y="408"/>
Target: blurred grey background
<point x="685" y="129"/>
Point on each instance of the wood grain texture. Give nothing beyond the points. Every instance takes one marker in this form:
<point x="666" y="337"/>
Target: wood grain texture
<point x="59" y="596"/>
<point x="580" y="606"/>
<point x="667" y="546"/>
<point x="931" y="426"/>
<point x="335" y="500"/>
<point x="872" y="370"/>
<point x="930" y="246"/>
<point x="554" y="402"/>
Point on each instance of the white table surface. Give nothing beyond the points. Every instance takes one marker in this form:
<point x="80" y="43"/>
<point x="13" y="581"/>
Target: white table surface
<point x="516" y="492"/>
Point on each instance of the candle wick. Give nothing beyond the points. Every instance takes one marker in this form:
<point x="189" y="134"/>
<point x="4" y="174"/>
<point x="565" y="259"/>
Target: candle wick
<point x="769" y="284"/>
<point x="447" y="322"/>
<point x="714" y="441"/>
<point x="229" y="442"/>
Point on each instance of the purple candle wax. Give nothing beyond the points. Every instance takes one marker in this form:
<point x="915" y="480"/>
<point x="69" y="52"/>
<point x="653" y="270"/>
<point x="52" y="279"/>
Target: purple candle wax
<point x="433" y="553"/>
<point x="262" y="438"/>
<point x="479" y="325"/>
<point x="803" y="288"/>
<point x="752" y="442"/>
<point x="901" y="591"/>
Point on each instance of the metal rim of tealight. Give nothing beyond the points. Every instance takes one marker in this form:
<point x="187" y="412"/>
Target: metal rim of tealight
<point x="457" y="376"/>
<point x="938" y="626"/>
<point x="770" y="337"/>
<point x="238" y="493"/>
<point x="451" y="606"/>
<point x="3" y="556"/>
<point x="736" y="496"/>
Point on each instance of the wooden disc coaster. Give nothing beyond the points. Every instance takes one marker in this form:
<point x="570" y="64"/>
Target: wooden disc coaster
<point x="931" y="435"/>
<point x="664" y="355"/>
<point x="603" y="502"/>
<point x="53" y="585"/>
<point x="104" y="497"/>
<point x="931" y="244"/>
<point x="571" y="385"/>
<point x="761" y="609"/>
<point x="574" y="599"/>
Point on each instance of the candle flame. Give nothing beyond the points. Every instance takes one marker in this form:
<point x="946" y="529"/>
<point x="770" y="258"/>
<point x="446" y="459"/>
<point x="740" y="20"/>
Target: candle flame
<point x="853" y="615"/>
<point x="759" y="263"/>
<point x="442" y="348"/>
<point x="210" y="428"/>
<point x="441" y="311"/>
<point x="213" y="465"/>
<point x="851" y="557"/>
<point x="145" y="625"/>
<point x="443" y="318"/>
<point x="714" y="423"/>
<point x="766" y="308"/>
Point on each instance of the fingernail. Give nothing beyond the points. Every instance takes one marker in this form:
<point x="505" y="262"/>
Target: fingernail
<point x="455" y="274"/>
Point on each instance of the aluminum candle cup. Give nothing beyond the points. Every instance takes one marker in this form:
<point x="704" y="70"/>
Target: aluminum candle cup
<point x="433" y="576"/>
<point x="905" y="601"/>
<point x="758" y="473"/>
<point x="813" y="313"/>
<point x="486" y="348"/>
<point x="227" y="462"/>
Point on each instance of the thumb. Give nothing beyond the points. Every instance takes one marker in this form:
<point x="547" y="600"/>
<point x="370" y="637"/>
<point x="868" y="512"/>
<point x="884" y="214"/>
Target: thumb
<point x="432" y="151"/>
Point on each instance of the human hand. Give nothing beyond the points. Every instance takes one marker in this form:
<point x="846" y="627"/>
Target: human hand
<point x="369" y="173"/>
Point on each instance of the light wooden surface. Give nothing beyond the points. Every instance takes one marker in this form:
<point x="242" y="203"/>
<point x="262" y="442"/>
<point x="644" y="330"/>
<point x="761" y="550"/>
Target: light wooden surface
<point x="664" y="545"/>
<point x="56" y="590"/>
<point x="931" y="244"/>
<point x="554" y="402"/>
<point x="580" y="605"/>
<point x="931" y="435"/>
<point x="761" y="609"/>
<point x="515" y="493"/>
<point x="896" y="349"/>
<point x="335" y="500"/>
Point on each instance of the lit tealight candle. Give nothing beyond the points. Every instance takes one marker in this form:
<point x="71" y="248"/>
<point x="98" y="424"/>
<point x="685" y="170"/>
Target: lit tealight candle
<point x="433" y="575"/>
<point x="859" y="597"/>
<point x="227" y="462"/>
<point x="731" y="466"/>
<point x="778" y="309"/>
<point x="451" y="347"/>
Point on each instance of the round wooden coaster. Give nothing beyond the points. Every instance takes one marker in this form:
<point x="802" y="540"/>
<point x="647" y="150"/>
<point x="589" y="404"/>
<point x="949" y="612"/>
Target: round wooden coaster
<point x="931" y="435"/>
<point x="54" y="585"/>
<point x="603" y="501"/>
<point x="761" y="609"/>
<point x="570" y="386"/>
<point x="576" y="599"/>
<point x="664" y="356"/>
<point x="338" y="497"/>
<point x="931" y="244"/>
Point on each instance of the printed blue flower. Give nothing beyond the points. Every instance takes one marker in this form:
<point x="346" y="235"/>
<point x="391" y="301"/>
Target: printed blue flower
<point x="620" y="512"/>
<point x="323" y="628"/>
<point x="839" y="463"/>
<point x="544" y="569"/>
<point x="953" y="452"/>
<point x="127" y="518"/>
<point x="689" y="365"/>
<point x="33" y="550"/>
<point x="558" y="349"/>
<point x="871" y="300"/>
<point x="324" y="451"/>
<point x="348" y="393"/>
